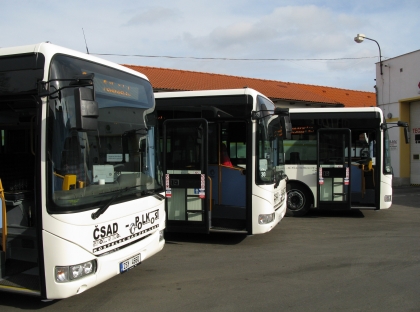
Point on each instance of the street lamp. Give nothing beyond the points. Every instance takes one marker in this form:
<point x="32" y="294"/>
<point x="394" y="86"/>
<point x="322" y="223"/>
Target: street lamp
<point x="359" y="39"/>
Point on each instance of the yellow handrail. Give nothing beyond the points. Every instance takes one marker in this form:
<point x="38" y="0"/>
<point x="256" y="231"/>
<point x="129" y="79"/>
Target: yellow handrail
<point x="69" y="181"/>
<point x="4" y="219"/>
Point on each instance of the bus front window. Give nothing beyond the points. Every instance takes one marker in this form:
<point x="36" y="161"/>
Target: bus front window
<point x="270" y="149"/>
<point x="270" y="156"/>
<point x="116" y="161"/>
<point x="387" y="154"/>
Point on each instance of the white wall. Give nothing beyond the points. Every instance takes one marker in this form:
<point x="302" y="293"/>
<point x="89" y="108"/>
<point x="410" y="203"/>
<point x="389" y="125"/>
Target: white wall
<point x="415" y="143"/>
<point x="400" y="79"/>
<point x="398" y="85"/>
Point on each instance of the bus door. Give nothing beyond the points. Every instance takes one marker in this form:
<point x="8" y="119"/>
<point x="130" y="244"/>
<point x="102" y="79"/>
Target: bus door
<point x="334" y="161"/>
<point x="185" y="151"/>
<point x="227" y="172"/>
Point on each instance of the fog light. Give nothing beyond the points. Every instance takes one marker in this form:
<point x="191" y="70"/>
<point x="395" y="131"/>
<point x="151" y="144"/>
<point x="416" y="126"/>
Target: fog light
<point x="388" y="198"/>
<point x="161" y="237"/>
<point x="61" y="274"/>
<point x="266" y="218"/>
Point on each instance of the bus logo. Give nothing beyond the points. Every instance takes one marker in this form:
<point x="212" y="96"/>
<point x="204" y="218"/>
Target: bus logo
<point x="146" y="218"/>
<point x="112" y="239"/>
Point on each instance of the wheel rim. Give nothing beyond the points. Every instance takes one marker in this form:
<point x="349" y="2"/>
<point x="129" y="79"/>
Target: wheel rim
<point x="295" y="200"/>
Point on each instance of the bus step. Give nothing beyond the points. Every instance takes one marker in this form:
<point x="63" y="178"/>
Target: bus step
<point x="362" y="207"/>
<point x="22" y="276"/>
<point x="24" y="254"/>
<point x="20" y="231"/>
<point x="21" y="244"/>
<point x="226" y="230"/>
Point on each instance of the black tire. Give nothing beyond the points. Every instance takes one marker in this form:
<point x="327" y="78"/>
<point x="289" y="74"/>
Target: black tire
<point x="298" y="200"/>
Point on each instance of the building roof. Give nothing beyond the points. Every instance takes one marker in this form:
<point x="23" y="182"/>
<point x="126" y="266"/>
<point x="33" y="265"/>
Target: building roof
<point x="165" y="79"/>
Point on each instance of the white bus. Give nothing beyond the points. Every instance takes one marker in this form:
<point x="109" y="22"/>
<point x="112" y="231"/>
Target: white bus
<point x="338" y="158"/>
<point x="82" y="200"/>
<point x="223" y="160"/>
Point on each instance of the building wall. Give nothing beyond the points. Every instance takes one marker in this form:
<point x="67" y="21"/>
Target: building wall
<point x="398" y="95"/>
<point x="415" y="143"/>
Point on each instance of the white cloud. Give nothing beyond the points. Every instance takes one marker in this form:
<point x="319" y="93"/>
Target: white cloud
<point x="287" y="29"/>
<point x="152" y="16"/>
<point x="297" y="31"/>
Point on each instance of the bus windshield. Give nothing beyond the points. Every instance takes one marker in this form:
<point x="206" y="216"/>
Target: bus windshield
<point x="116" y="161"/>
<point x="270" y="156"/>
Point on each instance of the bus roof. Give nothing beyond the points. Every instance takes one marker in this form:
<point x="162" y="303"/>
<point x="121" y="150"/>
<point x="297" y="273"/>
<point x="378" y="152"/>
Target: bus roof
<point x="49" y="50"/>
<point x="334" y="110"/>
<point x="180" y="94"/>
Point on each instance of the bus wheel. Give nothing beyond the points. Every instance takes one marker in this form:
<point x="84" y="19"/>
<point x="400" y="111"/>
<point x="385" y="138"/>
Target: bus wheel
<point x="298" y="201"/>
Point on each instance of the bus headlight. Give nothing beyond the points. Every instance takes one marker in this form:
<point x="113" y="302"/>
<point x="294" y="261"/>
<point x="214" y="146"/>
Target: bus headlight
<point x="76" y="271"/>
<point x="65" y="274"/>
<point x="161" y="237"/>
<point x="266" y="218"/>
<point x="388" y="198"/>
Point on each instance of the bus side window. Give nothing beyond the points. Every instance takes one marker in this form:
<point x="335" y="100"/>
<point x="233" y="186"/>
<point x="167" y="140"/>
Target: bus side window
<point x="295" y="158"/>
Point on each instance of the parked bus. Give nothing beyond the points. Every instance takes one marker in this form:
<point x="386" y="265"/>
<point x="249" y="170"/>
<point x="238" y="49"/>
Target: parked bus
<point x="338" y="158"/>
<point x="81" y="198"/>
<point x="223" y="160"/>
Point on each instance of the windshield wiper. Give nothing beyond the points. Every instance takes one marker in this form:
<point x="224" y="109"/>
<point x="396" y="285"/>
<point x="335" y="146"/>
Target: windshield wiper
<point x="155" y="194"/>
<point x="101" y="210"/>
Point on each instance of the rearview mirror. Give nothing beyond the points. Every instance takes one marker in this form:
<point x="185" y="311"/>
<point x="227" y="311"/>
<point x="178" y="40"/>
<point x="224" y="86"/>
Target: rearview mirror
<point x="281" y="111"/>
<point x="87" y="111"/>
<point x="406" y="134"/>
<point x="400" y="123"/>
<point x="405" y="125"/>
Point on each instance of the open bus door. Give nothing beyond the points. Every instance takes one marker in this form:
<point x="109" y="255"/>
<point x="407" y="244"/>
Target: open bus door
<point x="185" y="160"/>
<point x="334" y="161"/>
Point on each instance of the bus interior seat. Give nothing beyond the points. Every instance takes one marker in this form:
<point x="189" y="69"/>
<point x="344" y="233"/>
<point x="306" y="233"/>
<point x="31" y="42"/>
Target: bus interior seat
<point x="224" y="156"/>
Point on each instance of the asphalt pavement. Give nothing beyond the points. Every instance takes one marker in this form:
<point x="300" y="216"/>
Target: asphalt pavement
<point x="326" y="261"/>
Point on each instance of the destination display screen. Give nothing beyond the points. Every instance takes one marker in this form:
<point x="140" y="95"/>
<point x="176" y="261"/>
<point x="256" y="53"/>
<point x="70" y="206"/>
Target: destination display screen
<point x="120" y="89"/>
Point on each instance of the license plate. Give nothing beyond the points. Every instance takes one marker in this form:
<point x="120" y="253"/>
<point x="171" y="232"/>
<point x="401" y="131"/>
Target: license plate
<point x="130" y="263"/>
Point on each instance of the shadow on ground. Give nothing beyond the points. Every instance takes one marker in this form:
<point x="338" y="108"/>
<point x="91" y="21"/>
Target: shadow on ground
<point x="212" y="238"/>
<point x="25" y="302"/>
<point x="315" y="213"/>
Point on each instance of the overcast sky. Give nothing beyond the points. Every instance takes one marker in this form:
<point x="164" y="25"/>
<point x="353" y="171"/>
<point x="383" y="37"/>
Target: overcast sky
<point x="290" y="32"/>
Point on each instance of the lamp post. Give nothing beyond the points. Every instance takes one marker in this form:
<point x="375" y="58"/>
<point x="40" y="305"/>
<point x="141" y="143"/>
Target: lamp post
<point x="359" y="39"/>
